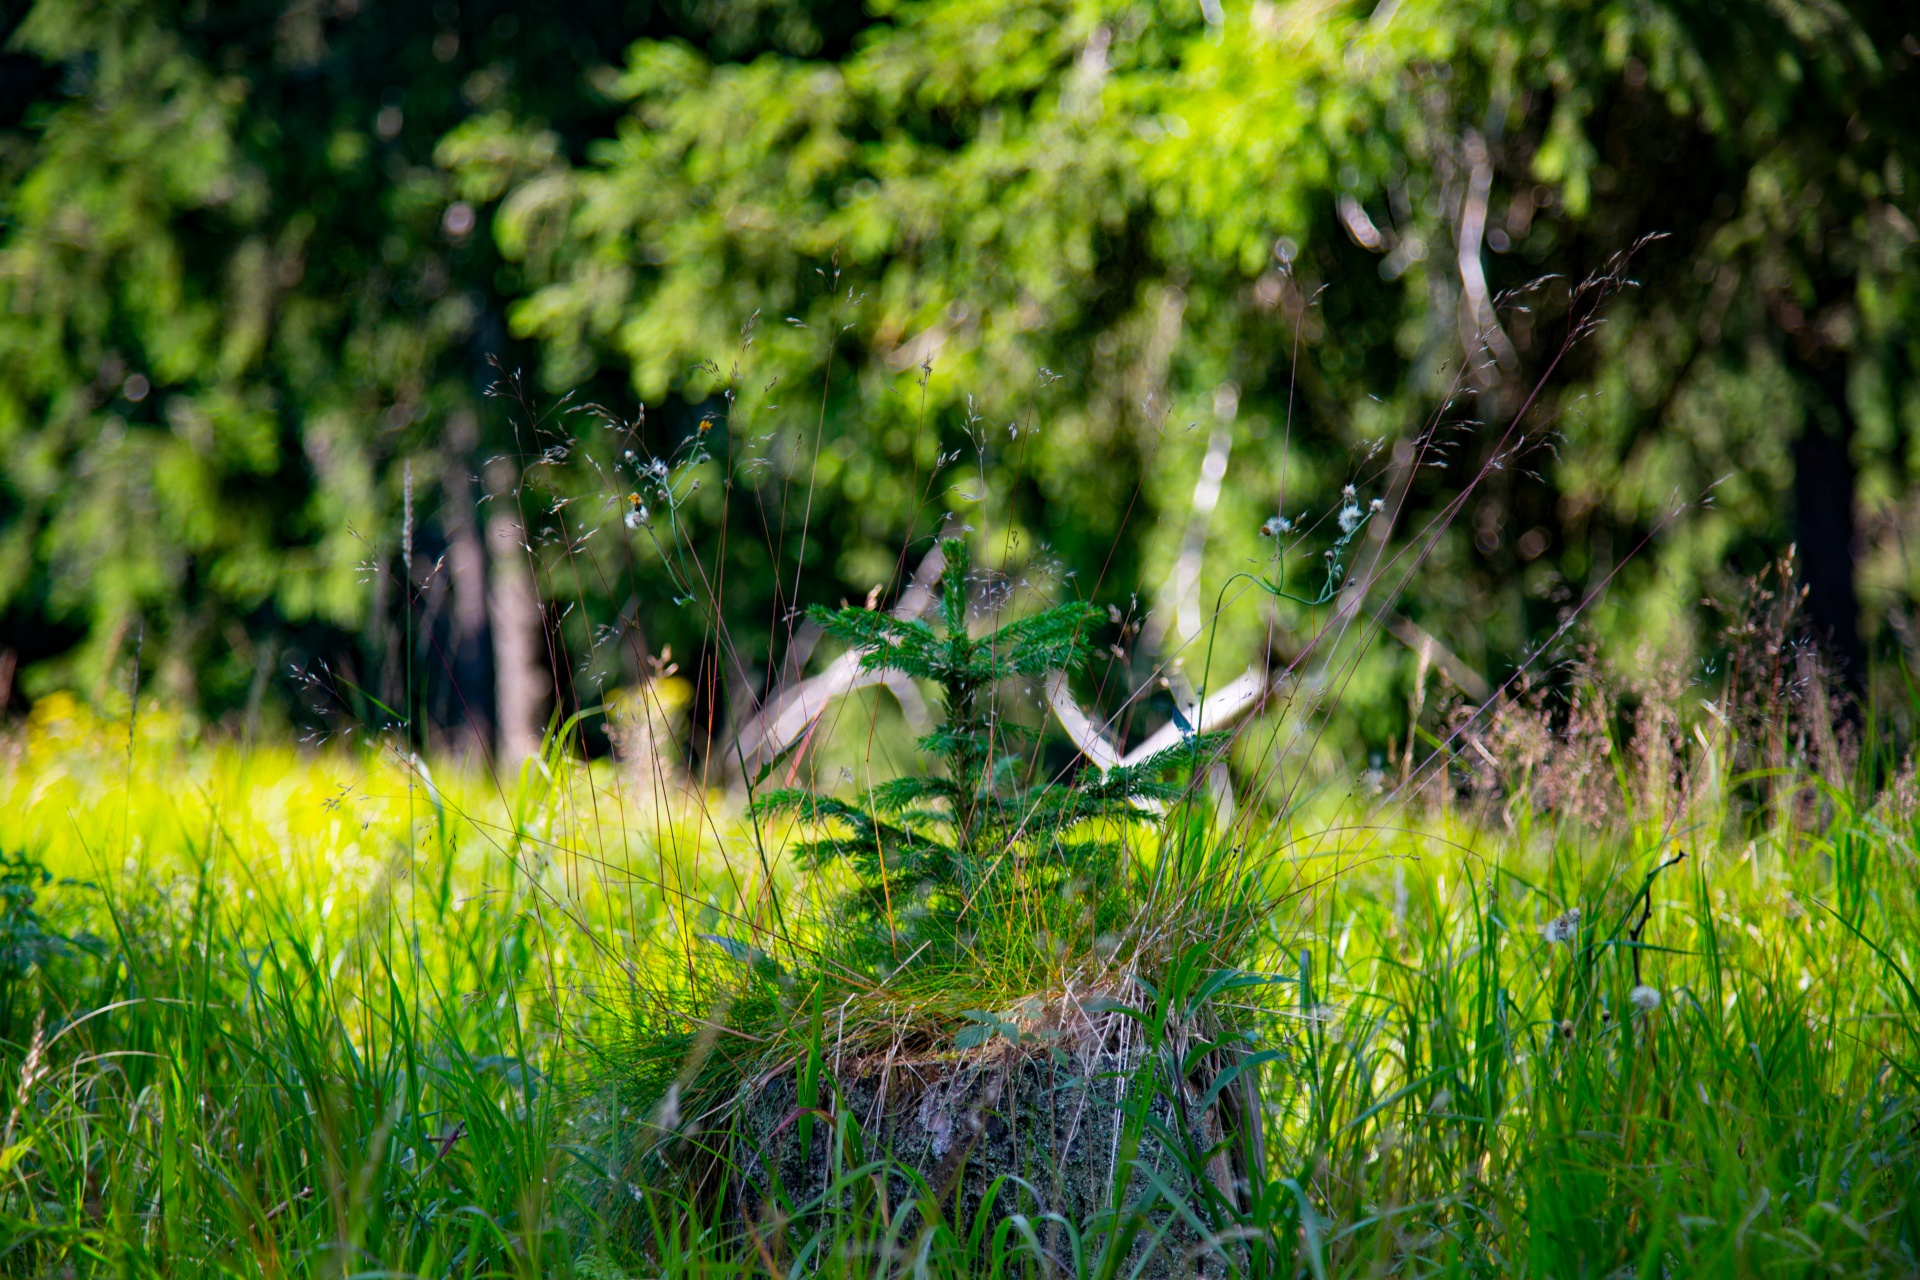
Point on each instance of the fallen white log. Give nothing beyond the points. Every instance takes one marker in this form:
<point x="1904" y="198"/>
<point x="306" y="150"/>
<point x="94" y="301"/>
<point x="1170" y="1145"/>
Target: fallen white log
<point x="791" y="711"/>
<point x="1216" y="711"/>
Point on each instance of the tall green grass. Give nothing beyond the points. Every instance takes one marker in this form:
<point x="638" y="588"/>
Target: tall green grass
<point x="331" y="1014"/>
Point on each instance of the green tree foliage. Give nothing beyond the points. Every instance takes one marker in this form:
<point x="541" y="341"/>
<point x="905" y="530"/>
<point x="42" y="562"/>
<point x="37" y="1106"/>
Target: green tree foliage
<point x="238" y="298"/>
<point x="945" y="267"/>
<point x="1770" y="146"/>
<point x="1037" y="266"/>
<point x="1101" y="223"/>
<point x="233" y="300"/>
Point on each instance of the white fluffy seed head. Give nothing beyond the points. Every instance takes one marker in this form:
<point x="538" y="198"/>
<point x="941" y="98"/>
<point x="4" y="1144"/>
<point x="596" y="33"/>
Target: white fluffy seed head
<point x="1563" y="927"/>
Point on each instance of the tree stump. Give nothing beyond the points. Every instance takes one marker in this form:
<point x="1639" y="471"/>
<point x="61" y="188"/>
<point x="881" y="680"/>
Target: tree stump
<point x="965" y="1120"/>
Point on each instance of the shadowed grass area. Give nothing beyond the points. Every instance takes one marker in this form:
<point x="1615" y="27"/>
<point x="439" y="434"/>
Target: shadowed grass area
<point x="273" y="1013"/>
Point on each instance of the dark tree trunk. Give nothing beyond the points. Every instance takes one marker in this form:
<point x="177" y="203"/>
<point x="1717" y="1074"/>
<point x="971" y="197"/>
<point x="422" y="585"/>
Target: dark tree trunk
<point x="1823" y="498"/>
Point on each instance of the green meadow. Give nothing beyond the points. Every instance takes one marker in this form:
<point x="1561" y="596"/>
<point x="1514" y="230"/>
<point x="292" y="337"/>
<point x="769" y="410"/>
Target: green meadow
<point x="276" y="1012"/>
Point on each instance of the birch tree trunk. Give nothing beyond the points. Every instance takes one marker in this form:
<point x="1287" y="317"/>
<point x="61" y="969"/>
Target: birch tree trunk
<point x="522" y="682"/>
<point x="469" y="724"/>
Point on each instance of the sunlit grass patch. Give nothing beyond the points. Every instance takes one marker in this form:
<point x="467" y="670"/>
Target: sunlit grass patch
<point x="333" y="1012"/>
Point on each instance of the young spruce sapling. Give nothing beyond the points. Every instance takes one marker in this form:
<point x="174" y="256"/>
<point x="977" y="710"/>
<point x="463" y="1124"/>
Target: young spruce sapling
<point x="939" y="860"/>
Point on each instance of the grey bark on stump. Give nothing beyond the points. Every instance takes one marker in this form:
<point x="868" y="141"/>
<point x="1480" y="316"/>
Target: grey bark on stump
<point x="968" y="1124"/>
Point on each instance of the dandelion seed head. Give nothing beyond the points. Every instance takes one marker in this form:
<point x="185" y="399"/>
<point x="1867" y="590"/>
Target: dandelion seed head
<point x="1562" y="928"/>
<point x="1644" y="998"/>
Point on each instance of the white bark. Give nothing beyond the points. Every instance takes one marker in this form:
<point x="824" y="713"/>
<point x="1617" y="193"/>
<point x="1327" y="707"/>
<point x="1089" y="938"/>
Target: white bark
<point x="790" y="711"/>
<point x="522" y="681"/>
<point x="467" y="572"/>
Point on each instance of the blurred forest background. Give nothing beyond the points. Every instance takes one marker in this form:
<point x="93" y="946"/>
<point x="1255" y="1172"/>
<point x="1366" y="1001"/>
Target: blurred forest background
<point x="1110" y="281"/>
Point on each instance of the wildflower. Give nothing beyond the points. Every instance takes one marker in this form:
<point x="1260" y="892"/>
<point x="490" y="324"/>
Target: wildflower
<point x="659" y="468"/>
<point x="1374" y="506"/>
<point x="1644" y="998"/>
<point x="1349" y="516"/>
<point x="638" y="515"/>
<point x="1563" y="927"/>
<point x="1347" y="492"/>
<point x="1275" y="526"/>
